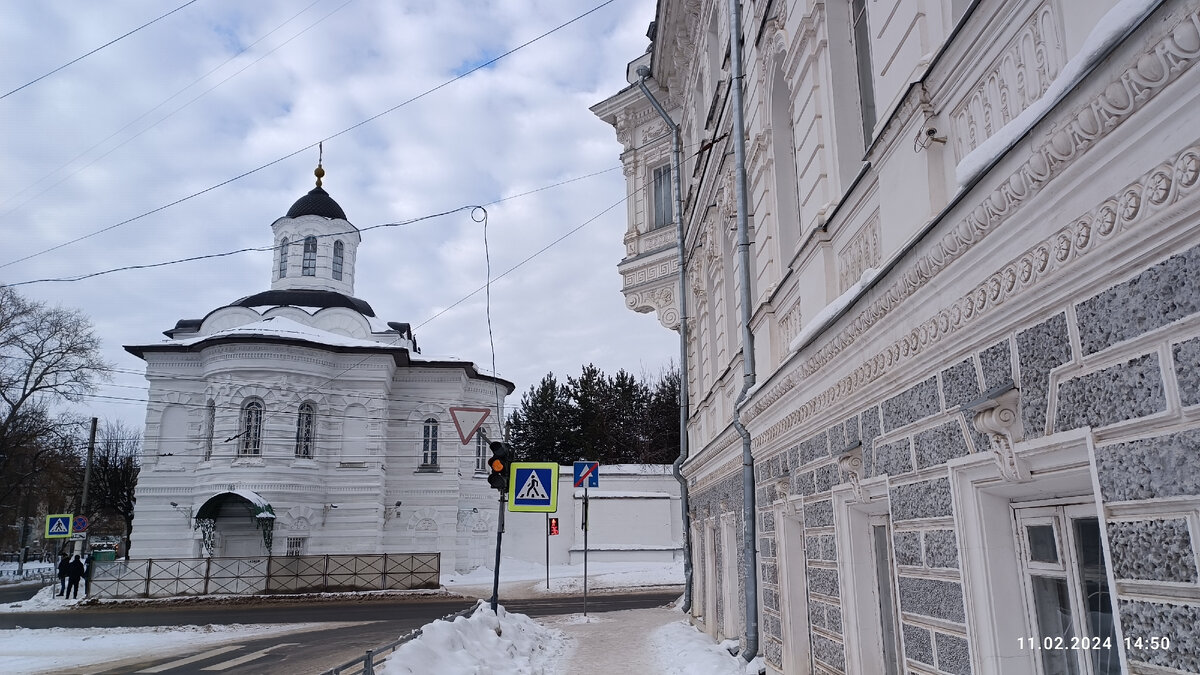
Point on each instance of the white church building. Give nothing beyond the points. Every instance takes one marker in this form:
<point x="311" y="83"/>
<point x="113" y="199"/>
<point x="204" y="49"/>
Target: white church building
<point x="295" y="421"/>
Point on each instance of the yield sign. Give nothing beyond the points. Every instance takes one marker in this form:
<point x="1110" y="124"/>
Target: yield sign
<point x="467" y="421"/>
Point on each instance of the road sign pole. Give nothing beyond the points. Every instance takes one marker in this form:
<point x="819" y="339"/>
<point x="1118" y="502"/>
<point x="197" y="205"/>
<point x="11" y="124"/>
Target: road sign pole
<point x="87" y="479"/>
<point x="585" y="551"/>
<point x="499" y="536"/>
<point x="547" y="551"/>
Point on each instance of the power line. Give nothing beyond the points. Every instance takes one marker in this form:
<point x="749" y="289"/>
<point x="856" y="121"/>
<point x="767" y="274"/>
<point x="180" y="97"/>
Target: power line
<point x="259" y="249"/>
<point x="167" y="100"/>
<point x="310" y="146"/>
<point x="106" y="44"/>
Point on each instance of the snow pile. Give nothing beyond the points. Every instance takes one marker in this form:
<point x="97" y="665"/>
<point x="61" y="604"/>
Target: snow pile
<point x="683" y="650"/>
<point x="1112" y="28"/>
<point x="832" y="310"/>
<point x="45" y="600"/>
<point x="488" y="642"/>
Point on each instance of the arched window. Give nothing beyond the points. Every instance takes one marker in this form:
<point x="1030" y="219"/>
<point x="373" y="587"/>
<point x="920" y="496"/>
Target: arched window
<point x="481" y="453"/>
<point x="251" y="431"/>
<point x="338" y="253"/>
<point x="283" y="251"/>
<point x="309" y="266"/>
<point x="306" y="423"/>
<point x="429" y="446"/>
<point x="210" y="423"/>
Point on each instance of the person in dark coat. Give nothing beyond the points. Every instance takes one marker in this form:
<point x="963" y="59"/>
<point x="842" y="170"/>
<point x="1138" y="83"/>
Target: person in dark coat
<point x="74" y="574"/>
<point x="87" y="574"/>
<point x="62" y="573"/>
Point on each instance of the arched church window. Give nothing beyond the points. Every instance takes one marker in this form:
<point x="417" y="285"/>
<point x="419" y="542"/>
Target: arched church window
<point x="338" y="254"/>
<point x="306" y="422"/>
<point x="283" y="251"/>
<point x="210" y="423"/>
<point x="251" y="431"/>
<point x="481" y="453"/>
<point x="308" y="267"/>
<point x="429" y="445"/>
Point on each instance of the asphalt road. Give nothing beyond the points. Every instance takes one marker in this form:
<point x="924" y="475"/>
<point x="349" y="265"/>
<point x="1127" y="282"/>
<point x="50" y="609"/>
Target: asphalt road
<point x="378" y="621"/>
<point x="19" y="592"/>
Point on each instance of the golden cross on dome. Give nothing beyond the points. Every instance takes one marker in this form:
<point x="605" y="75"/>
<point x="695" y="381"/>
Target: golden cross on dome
<point x="320" y="173"/>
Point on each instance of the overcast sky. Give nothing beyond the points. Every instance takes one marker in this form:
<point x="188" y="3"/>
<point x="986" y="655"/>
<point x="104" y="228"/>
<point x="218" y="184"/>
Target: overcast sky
<point x="200" y="97"/>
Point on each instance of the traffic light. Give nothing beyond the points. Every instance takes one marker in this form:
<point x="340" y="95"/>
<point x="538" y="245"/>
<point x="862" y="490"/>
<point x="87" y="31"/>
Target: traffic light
<point x="499" y="466"/>
<point x="554" y="526"/>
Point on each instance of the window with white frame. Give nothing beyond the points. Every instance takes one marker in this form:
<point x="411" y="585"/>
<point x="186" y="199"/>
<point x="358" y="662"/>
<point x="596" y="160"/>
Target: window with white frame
<point x="306" y="421"/>
<point x="1068" y="601"/>
<point x="429" y="449"/>
<point x="251" y="429"/>
<point x="661" y="194"/>
<point x="481" y="453"/>
<point x="339" y="252"/>
<point x="308" y="266"/>
<point x="295" y="546"/>
<point x="283" y="251"/>
<point x="210" y="423"/>
<point x="862" y="51"/>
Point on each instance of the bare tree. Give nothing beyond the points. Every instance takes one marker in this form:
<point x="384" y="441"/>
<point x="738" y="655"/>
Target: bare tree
<point x="47" y="355"/>
<point x="115" y="470"/>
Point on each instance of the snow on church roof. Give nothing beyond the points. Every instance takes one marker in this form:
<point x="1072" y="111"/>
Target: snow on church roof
<point x="285" y="328"/>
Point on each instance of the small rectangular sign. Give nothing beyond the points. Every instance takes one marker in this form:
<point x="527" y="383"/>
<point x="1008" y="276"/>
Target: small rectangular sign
<point x="587" y="474"/>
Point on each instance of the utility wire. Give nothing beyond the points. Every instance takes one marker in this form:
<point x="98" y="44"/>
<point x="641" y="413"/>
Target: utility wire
<point x="254" y="249"/>
<point x="167" y="100"/>
<point x="106" y="44"/>
<point x="310" y="146"/>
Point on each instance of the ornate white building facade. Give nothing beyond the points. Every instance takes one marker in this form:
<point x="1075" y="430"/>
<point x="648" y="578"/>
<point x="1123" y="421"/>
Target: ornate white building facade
<point x="975" y="301"/>
<point x="294" y="421"/>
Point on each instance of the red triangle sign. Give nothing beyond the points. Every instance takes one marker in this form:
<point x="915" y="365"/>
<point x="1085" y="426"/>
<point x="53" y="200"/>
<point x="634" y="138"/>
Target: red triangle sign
<point x="467" y="421"/>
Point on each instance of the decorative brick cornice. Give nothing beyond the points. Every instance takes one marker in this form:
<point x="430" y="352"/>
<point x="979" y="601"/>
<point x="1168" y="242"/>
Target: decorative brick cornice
<point x="1155" y="191"/>
<point x="1143" y="77"/>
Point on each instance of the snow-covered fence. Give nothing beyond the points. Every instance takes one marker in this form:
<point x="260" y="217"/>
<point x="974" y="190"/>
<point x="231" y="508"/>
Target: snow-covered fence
<point x="162" y="577"/>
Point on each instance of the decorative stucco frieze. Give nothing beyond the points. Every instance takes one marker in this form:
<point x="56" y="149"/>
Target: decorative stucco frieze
<point x="859" y="254"/>
<point x="1142" y="78"/>
<point x="1155" y="191"/>
<point x="651" y="272"/>
<point x="1018" y="77"/>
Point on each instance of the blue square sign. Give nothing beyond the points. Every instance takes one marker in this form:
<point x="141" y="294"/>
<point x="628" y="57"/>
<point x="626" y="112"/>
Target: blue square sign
<point x="533" y="486"/>
<point x="587" y="474"/>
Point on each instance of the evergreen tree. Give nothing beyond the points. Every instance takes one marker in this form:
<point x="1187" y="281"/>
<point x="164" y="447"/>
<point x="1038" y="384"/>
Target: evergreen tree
<point x="613" y="420"/>
<point x="536" y="427"/>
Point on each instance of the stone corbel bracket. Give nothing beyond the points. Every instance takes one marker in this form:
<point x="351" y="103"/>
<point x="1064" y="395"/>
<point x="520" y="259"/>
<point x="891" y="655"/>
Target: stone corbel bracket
<point x="997" y="415"/>
<point x="850" y="463"/>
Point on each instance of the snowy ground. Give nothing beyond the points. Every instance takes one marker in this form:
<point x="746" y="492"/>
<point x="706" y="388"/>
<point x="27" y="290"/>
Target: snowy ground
<point x="651" y="641"/>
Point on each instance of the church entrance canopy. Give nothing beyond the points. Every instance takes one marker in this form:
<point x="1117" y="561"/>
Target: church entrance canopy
<point x="257" y="507"/>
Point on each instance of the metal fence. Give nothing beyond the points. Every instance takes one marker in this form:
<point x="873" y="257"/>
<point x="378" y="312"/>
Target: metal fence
<point x="162" y="577"/>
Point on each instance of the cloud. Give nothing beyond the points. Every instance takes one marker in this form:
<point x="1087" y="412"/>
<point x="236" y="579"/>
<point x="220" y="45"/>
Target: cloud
<point x="514" y="126"/>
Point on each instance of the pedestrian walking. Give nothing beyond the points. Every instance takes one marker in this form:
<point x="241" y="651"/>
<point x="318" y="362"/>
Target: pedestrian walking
<point x="75" y="572"/>
<point x="62" y="574"/>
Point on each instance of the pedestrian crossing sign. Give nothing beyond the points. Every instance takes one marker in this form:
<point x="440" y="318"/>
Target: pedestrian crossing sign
<point x="533" y="486"/>
<point x="58" y="525"/>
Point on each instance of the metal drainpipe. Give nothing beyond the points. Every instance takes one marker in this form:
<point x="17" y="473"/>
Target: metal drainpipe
<point x="749" y="523"/>
<point x="677" y="468"/>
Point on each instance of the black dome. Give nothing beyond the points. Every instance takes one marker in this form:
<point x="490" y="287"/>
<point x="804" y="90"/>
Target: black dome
<point x="304" y="298"/>
<point x="316" y="203"/>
